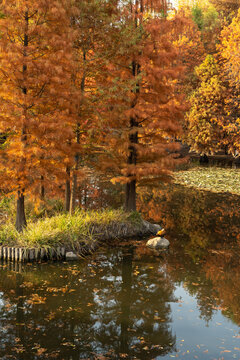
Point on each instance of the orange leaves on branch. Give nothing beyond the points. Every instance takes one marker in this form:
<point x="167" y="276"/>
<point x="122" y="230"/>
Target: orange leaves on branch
<point x="37" y="107"/>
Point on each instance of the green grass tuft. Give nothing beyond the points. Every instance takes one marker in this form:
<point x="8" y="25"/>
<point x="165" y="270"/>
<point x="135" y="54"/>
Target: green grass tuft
<point x="65" y="229"/>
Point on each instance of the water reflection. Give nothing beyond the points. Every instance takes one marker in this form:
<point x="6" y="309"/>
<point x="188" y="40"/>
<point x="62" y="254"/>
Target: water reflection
<point x="110" y="306"/>
<point x="125" y="303"/>
<point x="128" y="302"/>
<point x="198" y="219"/>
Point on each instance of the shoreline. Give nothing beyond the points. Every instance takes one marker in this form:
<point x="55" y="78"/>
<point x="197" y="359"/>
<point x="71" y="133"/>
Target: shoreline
<point x="59" y="240"/>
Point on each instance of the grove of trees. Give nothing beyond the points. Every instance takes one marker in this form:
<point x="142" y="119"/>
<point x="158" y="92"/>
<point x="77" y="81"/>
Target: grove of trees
<point x="110" y="87"/>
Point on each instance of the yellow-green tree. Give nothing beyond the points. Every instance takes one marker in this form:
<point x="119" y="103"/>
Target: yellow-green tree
<point x="206" y="117"/>
<point x="229" y="53"/>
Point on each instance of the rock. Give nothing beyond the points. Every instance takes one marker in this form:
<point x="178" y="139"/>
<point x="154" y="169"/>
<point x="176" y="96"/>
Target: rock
<point x="70" y="256"/>
<point x="152" y="228"/>
<point x="157" y="227"/>
<point x="158" y="243"/>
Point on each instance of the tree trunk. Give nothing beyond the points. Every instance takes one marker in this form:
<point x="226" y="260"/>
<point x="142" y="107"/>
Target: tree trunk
<point x="130" y="196"/>
<point x="67" y="190"/>
<point x="42" y="190"/>
<point x="130" y="190"/>
<point x="73" y="194"/>
<point x="21" y="222"/>
<point x="75" y="177"/>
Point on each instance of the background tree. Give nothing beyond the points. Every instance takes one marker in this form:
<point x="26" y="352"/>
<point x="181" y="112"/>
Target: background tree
<point x="92" y="22"/>
<point x="188" y="43"/>
<point x="229" y="55"/>
<point x="226" y="8"/>
<point x="206" y="17"/>
<point x="205" y="118"/>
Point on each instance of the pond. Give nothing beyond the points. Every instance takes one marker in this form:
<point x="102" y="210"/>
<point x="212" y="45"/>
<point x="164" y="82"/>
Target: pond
<point x="126" y="302"/>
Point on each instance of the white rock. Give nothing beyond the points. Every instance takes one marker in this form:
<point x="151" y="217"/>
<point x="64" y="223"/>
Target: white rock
<point x="158" y="243"/>
<point x="71" y="256"/>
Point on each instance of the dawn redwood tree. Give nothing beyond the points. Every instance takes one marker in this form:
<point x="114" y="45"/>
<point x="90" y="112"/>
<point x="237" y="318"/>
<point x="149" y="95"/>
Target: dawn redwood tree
<point x="91" y="20"/>
<point x="36" y="96"/>
<point x="142" y="113"/>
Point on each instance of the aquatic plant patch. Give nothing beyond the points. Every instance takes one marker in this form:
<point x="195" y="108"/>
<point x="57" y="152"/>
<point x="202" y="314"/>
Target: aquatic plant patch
<point x="210" y="178"/>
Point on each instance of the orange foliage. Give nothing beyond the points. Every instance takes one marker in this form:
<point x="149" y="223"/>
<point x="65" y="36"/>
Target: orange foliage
<point x="37" y="107"/>
<point x="141" y="113"/>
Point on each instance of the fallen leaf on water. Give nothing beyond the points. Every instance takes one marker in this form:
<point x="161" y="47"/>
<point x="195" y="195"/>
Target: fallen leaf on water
<point x="36" y="299"/>
<point x="41" y="351"/>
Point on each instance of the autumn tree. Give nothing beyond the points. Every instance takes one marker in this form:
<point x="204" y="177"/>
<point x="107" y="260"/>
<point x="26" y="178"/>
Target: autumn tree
<point x="207" y="20"/>
<point x="226" y="8"/>
<point x="206" y="116"/>
<point x="229" y="55"/>
<point x="92" y="21"/>
<point x="141" y="114"/>
<point x="186" y="39"/>
<point x="36" y="107"/>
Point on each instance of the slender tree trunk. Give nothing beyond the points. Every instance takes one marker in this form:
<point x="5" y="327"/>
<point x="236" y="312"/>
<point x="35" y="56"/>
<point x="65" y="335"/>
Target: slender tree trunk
<point x="85" y="195"/>
<point x="42" y="190"/>
<point x="21" y="222"/>
<point x="75" y="178"/>
<point x="67" y="190"/>
<point x="73" y="194"/>
<point x="130" y="190"/>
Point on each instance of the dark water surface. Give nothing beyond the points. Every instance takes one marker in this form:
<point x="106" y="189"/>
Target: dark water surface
<point x="129" y="303"/>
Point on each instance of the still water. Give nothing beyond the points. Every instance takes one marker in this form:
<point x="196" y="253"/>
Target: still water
<point x="126" y="302"/>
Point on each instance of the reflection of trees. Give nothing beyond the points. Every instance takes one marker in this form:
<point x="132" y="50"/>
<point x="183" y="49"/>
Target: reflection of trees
<point x="184" y="271"/>
<point x="111" y="307"/>
<point x="196" y="218"/>
<point x="214" y="280"/>
<point x="198" y="221"/>
<point x="223" y="270"/>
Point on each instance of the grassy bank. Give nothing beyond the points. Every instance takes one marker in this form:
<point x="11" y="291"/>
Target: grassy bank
<point x="213" y="179"/>
<point x="63" y="229"/>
